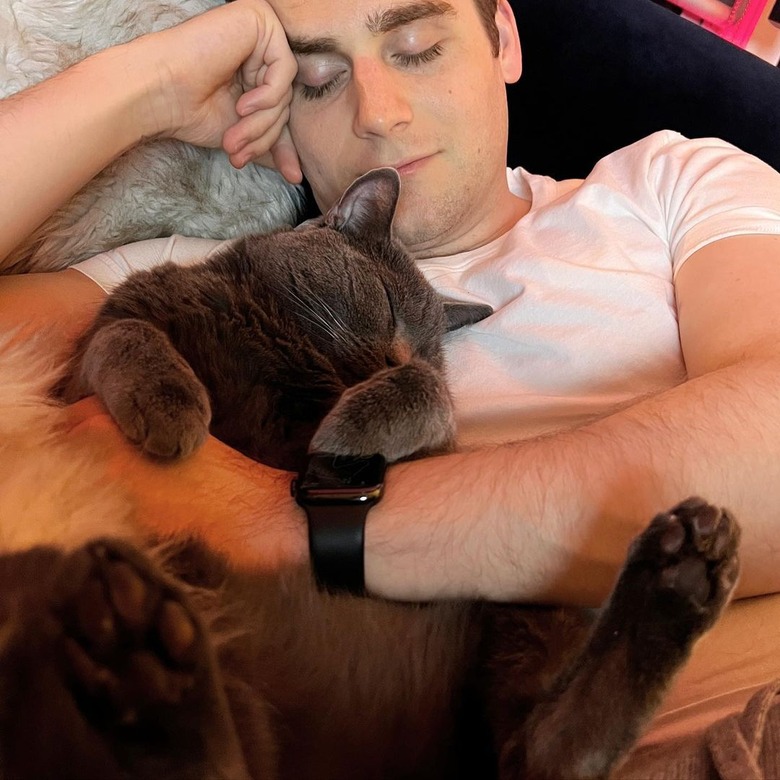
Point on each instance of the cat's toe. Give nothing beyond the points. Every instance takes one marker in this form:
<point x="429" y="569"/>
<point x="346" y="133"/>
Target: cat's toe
<point x="131" y="642"/>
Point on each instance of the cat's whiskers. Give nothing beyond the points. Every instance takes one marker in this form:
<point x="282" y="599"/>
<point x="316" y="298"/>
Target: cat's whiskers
<point x="316" y="317"/>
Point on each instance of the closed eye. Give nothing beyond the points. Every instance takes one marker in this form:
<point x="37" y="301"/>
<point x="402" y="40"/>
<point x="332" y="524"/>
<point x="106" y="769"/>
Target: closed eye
<point x="411" y="60"/>
<point x="315" y="93"/>
<point x="309" y="92"/>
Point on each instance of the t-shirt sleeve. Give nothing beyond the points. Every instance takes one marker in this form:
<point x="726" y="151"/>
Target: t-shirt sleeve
<point x="109" y="269"/>
<point x="707" y="190"/>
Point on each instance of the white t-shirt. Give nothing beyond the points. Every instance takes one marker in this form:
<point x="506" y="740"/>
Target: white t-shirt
<point x="109" y="269"/>
<point x="582" y="286"/>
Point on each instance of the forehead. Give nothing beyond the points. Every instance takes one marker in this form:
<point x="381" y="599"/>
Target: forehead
<point x="323" y="17"/>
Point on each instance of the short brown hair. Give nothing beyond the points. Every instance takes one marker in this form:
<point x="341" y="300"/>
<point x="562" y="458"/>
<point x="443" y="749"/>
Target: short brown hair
<point x="487" y="12"/>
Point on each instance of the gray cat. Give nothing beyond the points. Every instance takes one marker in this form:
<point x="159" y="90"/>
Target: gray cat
<point x="328" y="338"/>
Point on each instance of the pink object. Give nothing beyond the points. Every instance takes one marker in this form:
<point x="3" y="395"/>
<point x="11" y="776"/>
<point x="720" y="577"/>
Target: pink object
<point x="736" y="23"/>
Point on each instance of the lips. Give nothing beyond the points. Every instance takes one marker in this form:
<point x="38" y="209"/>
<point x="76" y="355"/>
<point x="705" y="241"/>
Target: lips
<point x="412" y="164"/>
<point x="406" y="166"/>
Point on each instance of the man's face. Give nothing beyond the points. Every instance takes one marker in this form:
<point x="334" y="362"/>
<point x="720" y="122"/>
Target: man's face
<point x="411" y="84"/>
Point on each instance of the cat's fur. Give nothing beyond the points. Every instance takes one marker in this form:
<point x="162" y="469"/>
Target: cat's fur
<point x="156" y="189"/>
<point x="109" y="668"/>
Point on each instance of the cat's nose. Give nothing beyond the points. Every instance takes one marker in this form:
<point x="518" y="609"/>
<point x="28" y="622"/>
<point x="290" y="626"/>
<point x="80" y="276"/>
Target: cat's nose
<point x="399" y="353"/>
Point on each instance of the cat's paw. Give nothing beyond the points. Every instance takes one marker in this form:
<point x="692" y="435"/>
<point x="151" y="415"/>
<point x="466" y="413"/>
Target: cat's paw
<point x="686" y="562"/>
<point x="132" y="646"/>
<point x="399" y="412"/>
<point x="168" y="417"/>
<point x="140" y="669"/>
<point x="147" y="387"/>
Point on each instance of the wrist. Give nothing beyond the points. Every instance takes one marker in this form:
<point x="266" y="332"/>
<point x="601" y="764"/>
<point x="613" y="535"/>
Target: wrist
<point x="127" y="84"/>
<point x="272" y="532"/>
<point x="337" y="492"/>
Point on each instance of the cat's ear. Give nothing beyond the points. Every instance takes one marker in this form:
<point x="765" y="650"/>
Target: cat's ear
<point x="367" y="207"/>
<point x="460" y="313"/>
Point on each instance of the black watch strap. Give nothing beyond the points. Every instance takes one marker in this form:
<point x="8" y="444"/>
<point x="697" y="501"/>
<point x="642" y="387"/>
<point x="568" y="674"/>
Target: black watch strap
<point x="336" y="534"/>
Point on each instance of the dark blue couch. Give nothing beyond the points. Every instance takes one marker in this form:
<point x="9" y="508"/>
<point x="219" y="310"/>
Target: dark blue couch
<point x="599" y="74"/>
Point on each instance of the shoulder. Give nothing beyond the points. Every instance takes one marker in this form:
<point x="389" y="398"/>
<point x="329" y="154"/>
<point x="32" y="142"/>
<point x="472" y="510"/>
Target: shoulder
<point x="672" y="180"/>
<point x="667" y="159"/>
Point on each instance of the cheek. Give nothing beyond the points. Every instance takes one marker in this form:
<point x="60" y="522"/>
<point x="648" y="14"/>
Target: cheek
<point x="306" y="142"/>
<point x="316" y="155"/>
<point x="464" y="105"/>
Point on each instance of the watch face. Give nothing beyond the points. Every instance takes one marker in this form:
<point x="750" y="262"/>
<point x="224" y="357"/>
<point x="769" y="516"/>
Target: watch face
<point x="342" y="476"/>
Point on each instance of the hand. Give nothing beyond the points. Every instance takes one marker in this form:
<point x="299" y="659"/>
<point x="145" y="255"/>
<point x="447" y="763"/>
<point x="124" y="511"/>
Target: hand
<point x="225" y="78"/>
<point x="237" y="506"/>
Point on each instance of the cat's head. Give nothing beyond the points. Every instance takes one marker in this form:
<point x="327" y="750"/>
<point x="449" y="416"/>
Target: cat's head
<point x="389" y="299"/>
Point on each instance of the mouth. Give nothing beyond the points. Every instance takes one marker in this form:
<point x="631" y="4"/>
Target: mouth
<point x="412" y="165"/>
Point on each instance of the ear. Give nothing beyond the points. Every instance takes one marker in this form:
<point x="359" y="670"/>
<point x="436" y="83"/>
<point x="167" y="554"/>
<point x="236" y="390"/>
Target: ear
<point x="367" y="208"/>
<point x="459" y="313"/>
<point x="510" y="54"/>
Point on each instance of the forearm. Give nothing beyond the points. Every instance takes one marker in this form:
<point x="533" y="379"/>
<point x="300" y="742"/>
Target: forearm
<point x="548" y="520"/>
<point x="551" y="519"/>
<point x="60" y="133"/>
<point x="237" y="506"/>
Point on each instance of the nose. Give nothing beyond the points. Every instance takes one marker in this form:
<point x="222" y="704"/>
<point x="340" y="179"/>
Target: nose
<point x="381" y="103"/>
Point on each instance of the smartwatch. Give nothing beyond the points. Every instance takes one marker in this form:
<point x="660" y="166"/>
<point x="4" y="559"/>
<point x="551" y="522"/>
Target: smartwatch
<point x="337" y="491"/>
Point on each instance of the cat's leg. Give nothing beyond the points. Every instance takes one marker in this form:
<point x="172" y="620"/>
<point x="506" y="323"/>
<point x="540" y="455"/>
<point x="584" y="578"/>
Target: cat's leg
<point x="141" y="669"/>
<point x="146" y="386"/>
<point x="677" y="579"/>
<point x="398" y="412"/>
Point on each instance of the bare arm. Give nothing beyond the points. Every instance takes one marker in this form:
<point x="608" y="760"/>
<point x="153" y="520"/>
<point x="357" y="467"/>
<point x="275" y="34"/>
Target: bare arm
<point x="63" y="301"/>
<point x="222" y="78"/>
<point x="551" y="519"/>
<point x="542" y="520"/>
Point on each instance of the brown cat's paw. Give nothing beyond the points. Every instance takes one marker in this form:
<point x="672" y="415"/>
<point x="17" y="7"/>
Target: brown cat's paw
<point x="398" y="412"/>
<point x="690" y="552"/>
<point x="169" y="419"/>
<point x="147" y="387"/>
<point x="139" y="667"/>
<point x="133" y="648"/>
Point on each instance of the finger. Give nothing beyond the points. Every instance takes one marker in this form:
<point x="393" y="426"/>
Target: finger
<point x="259" y="126"/>
<point x="286" y="159"/>
<point x="283" y="157"/>
<point x="271" y="90"/>
<point x="268" y="72"/>
<point x="261" y="139"/>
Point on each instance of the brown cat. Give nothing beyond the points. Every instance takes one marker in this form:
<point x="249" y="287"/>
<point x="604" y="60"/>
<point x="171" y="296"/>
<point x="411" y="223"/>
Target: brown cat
<point x="113" y="666"/>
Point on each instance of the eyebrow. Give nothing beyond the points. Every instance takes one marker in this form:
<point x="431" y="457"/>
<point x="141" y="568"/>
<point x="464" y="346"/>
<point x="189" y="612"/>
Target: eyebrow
<point x="393" y="18"/>
<point x="378" y="23"/>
